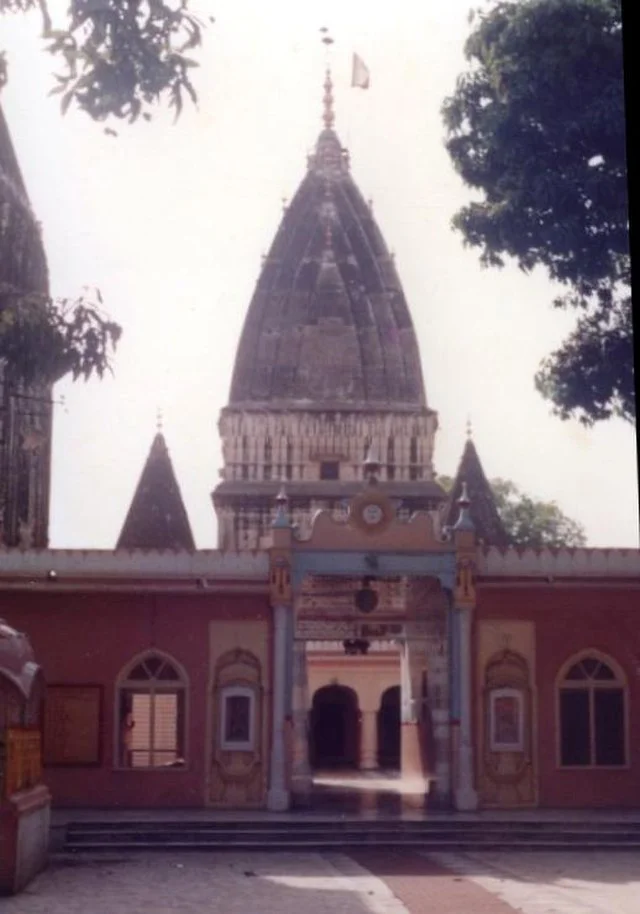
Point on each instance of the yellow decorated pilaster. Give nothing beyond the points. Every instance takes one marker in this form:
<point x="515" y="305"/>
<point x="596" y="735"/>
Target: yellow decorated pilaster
<point x="465" y="795"/>
<point x="281" y="599"/>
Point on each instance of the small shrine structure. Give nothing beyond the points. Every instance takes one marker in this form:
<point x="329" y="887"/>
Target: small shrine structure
<point x="24" y="800"/>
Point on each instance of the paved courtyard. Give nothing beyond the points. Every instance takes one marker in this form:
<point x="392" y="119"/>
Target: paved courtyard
<point x="546" y="882"/>
<point x="313" y="883"/>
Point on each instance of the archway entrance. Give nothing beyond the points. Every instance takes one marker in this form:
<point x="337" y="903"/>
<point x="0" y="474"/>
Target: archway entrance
<point x="389" y="730"/>
<point x="334" y="728"/>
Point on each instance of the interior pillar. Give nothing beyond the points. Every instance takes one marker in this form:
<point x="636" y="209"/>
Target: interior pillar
<point x="278" y="797"/>
<point x="369" y="741"/>
<point x="466" y="797"/>
<point x="301" y="780"/>
<point x="411" y="756"/>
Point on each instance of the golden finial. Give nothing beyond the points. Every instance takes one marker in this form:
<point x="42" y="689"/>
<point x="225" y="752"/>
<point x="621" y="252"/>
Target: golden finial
<point x="328" y="115"/>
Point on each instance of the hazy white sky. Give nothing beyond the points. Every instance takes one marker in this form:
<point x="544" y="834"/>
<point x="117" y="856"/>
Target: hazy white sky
<point x="170" y="222"/>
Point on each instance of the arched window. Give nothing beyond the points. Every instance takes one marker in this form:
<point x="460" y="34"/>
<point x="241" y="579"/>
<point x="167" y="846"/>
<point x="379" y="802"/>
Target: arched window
<point x="151" y="697"/>
<point x="592" y="713"/>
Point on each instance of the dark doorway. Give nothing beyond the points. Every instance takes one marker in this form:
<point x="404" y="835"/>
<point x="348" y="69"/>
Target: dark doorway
<point x="334" y="728"/>
<point x="389" y="730"/>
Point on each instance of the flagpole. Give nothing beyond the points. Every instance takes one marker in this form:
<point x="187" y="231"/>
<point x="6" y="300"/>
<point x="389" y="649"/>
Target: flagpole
<point x="360" y="79"/>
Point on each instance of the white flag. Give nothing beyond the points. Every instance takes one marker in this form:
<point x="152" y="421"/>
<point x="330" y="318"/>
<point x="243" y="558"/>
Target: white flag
<point x="359" y="73"/>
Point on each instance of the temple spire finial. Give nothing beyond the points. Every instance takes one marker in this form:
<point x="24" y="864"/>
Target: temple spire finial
<point x="469" y="428"/>
<point x="464" y="521"/>
<point x="328" y="114"/>
<point x="159" y="420"/>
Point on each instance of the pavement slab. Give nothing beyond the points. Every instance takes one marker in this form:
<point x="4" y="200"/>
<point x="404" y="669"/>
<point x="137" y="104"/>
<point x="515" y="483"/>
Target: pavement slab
<point x="204" y="883"/>
<point x="554" y="882"/>
<point x="364" y="881"/>
<point x="426" y="886"/>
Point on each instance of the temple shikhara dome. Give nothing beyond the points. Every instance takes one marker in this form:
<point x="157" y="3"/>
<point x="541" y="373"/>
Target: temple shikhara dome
<point x="327" y="367"/>
<point x="25" y="410"/>
<point x="328" y="324"/>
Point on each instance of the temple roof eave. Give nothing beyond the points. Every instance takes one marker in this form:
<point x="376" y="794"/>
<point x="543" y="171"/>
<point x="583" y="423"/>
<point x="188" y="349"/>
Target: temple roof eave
<point x="337" y="406"/>
<point x="427" y="489"/>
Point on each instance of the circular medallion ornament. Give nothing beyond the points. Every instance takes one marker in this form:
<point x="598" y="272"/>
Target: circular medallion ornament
<point x="372" y="514"/>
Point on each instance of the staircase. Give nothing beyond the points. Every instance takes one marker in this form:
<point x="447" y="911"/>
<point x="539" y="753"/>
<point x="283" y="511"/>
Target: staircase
<point x="305" y="833"/>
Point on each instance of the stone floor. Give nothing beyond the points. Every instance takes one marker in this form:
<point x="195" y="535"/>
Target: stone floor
<point x="547" y="882"/>
<point x="205" y="883"/>
<point x="365" y="882"/>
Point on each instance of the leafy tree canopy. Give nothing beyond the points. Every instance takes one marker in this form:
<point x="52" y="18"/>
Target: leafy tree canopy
<point x="529" y="521"/>
<point x="536" y="126"/>
<point x="118" y="57"/>
<point x="42" y="339"/>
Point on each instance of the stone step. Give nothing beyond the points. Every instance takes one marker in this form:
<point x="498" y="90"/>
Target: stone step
<point x="317" y="835"/>
<point x="331" y="829"/>
<point x="523" y="830"/>
<point x="310" y="823"/>
<point x="204" y="844"/>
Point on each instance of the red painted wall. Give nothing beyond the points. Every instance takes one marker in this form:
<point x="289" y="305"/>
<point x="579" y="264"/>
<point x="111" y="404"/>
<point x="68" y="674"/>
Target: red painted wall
<point x="569" y="619"/>
<point x="88" y="639"/>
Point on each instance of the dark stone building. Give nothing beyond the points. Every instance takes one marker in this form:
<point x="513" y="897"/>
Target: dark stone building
<point x="25" y="410"/>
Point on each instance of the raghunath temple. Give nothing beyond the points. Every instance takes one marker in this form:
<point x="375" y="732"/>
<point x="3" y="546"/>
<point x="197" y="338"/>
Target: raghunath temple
<point x="354" y="618"/>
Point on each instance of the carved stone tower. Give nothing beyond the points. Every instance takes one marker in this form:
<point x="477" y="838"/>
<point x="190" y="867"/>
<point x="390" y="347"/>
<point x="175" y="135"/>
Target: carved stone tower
<point x="327" y="367"/>
<point x="25" y="410"/>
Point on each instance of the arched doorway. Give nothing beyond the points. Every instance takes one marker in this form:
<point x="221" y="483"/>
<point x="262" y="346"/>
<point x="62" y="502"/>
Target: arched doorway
<point x="389" y="729"/>
<point x="334" y="728"/>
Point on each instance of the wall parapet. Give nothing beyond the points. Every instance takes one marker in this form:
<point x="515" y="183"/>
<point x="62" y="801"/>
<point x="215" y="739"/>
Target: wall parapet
<point x="579" y="563"/>
<point x="134" y="563"/>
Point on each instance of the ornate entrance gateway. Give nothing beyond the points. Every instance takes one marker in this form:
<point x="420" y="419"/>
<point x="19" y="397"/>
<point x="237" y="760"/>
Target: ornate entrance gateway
<point x="375" y="579"/>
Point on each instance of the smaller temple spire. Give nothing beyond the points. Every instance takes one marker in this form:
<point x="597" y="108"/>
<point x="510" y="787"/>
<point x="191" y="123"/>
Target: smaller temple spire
<point x="157" y="517"/>
<point x="471" y="497"/>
